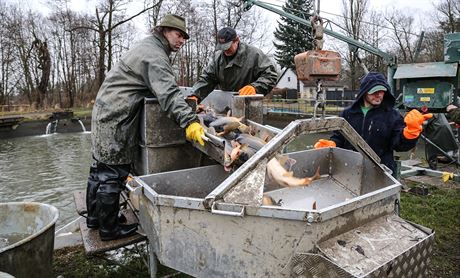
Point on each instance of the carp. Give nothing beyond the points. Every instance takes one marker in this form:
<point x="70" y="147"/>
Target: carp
<point x="277" y="173"/>
<point x="245" y="146"/>
<point x="225" y="125"/>
<point x="269" y="201"/>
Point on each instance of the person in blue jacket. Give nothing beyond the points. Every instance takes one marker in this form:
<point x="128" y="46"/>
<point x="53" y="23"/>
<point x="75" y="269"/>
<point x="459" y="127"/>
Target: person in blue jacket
<point x="374" y="117"/>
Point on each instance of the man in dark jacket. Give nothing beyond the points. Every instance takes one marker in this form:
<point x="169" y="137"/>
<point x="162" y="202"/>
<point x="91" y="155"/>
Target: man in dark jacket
<point x="236" y="66"/>
<point x="373" y="116"/>
<point x="454" y="113"/>
<point x="144" y="71"/>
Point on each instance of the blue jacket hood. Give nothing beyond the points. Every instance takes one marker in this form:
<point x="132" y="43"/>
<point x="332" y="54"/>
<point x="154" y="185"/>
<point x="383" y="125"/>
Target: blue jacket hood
<point x="373" y="79"/>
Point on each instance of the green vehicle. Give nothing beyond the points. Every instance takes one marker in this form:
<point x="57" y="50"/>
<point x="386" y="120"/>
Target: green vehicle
<point x="431" y="87"/>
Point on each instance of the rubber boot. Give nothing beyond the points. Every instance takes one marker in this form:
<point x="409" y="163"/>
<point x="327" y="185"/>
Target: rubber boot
<point x="108" y="207"/>
<point x="92" y="221"/>
<point x="91" y="190"/>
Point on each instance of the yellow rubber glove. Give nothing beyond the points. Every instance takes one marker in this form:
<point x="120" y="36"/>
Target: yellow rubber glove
<point x="247" y="90"/>
<point x="414" y="120"/>
<point x="195" y="132"/>
<point x="323" y="143"/>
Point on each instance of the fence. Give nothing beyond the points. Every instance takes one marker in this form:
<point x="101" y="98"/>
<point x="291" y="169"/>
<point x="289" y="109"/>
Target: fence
<point x="14" y="108"/>
<point x="303" y="106"/>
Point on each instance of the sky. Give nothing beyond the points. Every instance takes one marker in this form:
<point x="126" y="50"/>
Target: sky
<point x="415" y="7"/>
<point x="420" y="9"/>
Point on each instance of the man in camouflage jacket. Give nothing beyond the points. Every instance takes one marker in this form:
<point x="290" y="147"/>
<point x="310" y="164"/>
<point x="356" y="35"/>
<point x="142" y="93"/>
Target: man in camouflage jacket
<point x="144" y="71"/>
<point x="236" y="66"/>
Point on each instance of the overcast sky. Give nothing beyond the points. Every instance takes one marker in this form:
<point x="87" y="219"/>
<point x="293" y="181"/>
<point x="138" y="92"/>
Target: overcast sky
<point x="420" y="9"/>
<point x="413" y="7"/>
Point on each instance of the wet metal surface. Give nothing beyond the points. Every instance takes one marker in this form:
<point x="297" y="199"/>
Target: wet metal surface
<point x="29" y="230"/>
<point x="419" y="70"/>
<point x="366" y="248"/>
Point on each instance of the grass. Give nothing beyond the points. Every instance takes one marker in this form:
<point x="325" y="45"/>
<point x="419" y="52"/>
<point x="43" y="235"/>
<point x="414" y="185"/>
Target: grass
<point x="72" y="262"/>
<point x="45" y="114"/>
<point x="127" y="262"/>
<point x="440" y="210"/>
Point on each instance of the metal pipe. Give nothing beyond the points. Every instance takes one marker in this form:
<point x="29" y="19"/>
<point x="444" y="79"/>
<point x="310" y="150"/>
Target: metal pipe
<point x="391" y="59"/>
<point x="439" y="149"/>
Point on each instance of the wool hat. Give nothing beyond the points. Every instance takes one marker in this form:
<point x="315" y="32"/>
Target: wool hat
<point x="376" y="89"/>
<point x="176" y="22"/>
<point x="225" y="37"/>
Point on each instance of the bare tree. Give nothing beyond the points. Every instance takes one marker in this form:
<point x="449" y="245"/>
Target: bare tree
<point x="109" y="15"/>
<point x="402" y="35"/>
<point x="354" y="12"/>
<point x="448" y="14"/>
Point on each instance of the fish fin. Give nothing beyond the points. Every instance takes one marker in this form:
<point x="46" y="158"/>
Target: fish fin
<point x="211" y="130"/>
<point x="235" y="143"/>
<point x="316" y="176"/>
<point x="252" y="131"/>
<point x="266" y="138"/>
<point x="244" y="128"/>
<point x="281" y="158"/>
<point x="201" y="121"/>
<point x="314" y="205"/>
<point x="229" y="113"/>
<point x="268" y="201"/>
<point x="289" y="163"/>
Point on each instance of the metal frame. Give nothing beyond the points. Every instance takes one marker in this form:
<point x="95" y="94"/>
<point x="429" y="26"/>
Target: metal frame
<point x="288" y="134"/>
<point x="389" y="58"/>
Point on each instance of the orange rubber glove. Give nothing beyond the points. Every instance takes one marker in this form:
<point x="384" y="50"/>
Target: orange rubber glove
<point x="193" y="97"/>
<point x="414" y="120"/>
<point x="247" y="90"/>
<point x="195" y="132"/>
<point x="323" y="143"/>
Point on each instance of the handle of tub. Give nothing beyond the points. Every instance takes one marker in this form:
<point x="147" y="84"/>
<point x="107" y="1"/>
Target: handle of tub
<point x="214" y="210"/>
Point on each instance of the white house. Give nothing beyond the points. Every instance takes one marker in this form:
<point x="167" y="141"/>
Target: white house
<point x="288" y="80"/>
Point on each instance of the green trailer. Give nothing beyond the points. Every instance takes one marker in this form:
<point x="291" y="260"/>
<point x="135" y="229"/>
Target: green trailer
<point x="431" y="87"/>
<point x="428" y="86"/>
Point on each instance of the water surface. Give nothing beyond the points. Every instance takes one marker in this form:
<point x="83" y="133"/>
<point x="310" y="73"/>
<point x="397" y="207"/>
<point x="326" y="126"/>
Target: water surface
<point x="45" y="169"/>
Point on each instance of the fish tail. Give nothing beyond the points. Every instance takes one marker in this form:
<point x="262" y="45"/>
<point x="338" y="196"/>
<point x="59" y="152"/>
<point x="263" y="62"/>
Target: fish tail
<point x="307" y="181"/>
<point x="317" y="175"/>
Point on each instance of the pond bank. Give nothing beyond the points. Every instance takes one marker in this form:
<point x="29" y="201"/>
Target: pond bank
<point x="37" y="123"/>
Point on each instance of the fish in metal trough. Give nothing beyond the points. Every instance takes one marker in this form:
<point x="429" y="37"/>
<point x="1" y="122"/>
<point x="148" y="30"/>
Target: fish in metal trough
<point x="225" y="125"/>
<point x="281" y="176"/>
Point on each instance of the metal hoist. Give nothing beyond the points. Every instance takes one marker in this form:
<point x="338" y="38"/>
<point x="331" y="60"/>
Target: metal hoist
<point x="318" y="64"/>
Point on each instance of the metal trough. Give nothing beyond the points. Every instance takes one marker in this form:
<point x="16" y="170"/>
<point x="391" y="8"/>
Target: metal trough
<point x="208" y="223"/>
<point x="27" y="239"/>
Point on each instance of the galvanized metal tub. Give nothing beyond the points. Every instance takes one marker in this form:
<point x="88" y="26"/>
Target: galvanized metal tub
<point x="27" y="238"/>
<point x="207" y="223"/>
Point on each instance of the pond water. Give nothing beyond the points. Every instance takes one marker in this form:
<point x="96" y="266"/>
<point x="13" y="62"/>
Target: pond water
<point x="45" y="169"/>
